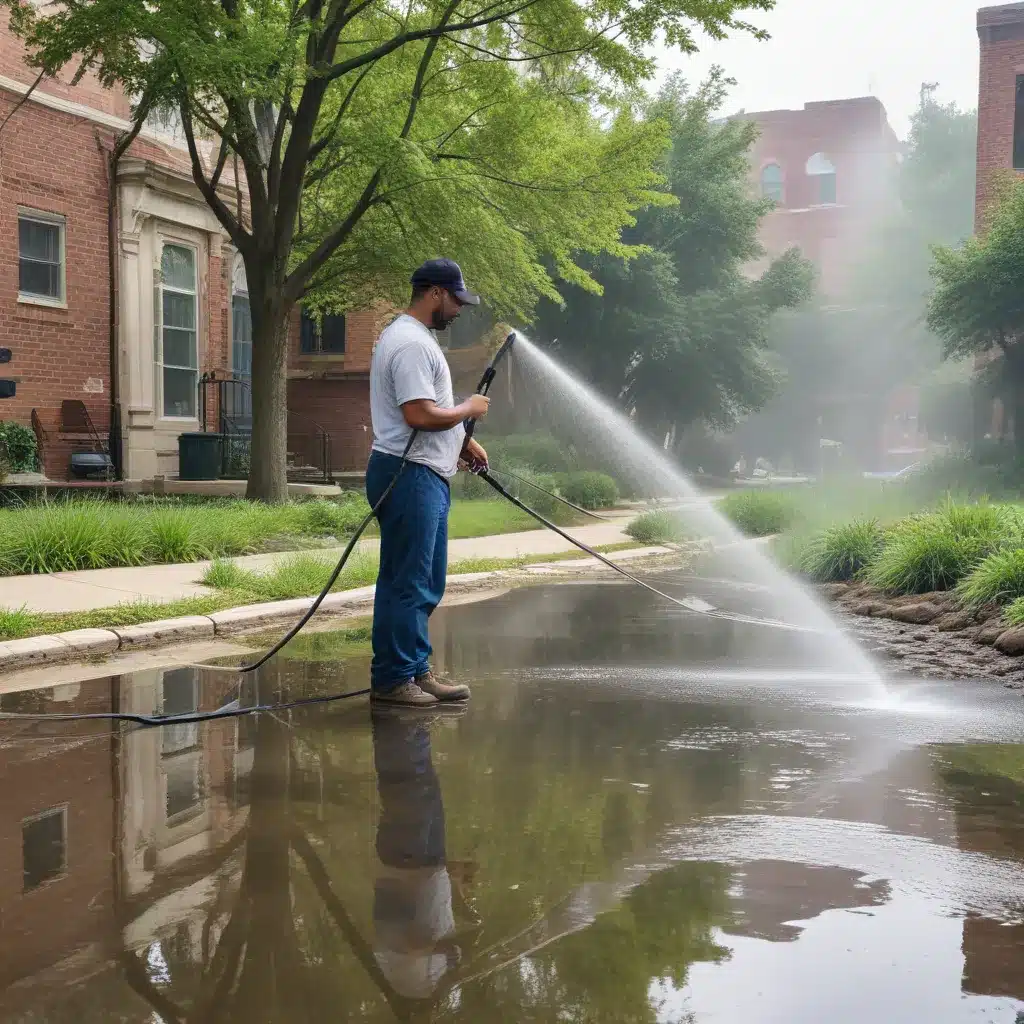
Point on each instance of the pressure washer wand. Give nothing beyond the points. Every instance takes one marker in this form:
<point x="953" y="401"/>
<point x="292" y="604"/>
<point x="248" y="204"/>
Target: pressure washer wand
<point x="485" y="381"/>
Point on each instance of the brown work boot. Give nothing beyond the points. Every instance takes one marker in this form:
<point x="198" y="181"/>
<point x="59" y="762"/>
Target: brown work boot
<point x="429" y="683"/>
<point x="406" y="695"/>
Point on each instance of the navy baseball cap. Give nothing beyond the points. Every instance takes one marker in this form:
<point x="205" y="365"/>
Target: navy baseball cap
<point x="445" y="274"/>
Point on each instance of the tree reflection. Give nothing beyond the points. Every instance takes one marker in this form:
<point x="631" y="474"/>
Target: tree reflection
<point x="308" y="930"/>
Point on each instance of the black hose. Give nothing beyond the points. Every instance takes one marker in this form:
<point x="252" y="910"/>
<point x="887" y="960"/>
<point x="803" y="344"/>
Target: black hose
<point x="550" y="494"/>
<point x="690" y="606"/>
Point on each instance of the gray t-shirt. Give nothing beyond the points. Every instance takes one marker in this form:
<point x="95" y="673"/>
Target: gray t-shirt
<point x="408" y="365"/>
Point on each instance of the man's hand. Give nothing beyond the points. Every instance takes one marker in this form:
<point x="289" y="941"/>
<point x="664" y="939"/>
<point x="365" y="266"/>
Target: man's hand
<point x="473" y="457"/>
<point x="477" y="406"/>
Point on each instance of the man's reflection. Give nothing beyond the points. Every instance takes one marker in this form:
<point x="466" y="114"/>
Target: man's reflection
<point x="418" y="893"/>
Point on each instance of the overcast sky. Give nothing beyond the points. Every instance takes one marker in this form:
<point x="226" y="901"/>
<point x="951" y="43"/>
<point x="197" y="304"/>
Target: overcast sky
<point x="834" y="49"/>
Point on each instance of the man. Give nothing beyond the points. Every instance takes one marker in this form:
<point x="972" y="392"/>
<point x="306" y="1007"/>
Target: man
<point x="411" y="390"/>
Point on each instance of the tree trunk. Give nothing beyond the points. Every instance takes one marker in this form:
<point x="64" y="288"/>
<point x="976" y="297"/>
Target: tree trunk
<point x="268" y="468"/>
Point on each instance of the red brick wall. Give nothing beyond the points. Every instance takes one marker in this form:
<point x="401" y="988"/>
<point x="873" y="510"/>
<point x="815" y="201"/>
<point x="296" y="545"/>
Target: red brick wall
<point x="1001" y="45"/>
<point x="856" y="137"/>
<point x="51" y="162"/>
<point x="341" y="405"/>
<point x="88" y="91"/>
<point x="47" y="924"/>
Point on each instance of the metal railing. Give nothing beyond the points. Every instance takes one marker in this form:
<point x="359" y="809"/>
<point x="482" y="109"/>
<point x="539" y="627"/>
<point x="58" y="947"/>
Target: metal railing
<point x="225" y="406"/>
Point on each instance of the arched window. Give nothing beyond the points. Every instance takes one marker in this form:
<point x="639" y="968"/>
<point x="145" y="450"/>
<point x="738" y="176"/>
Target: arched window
<point x="771" y="182"/>
<point x="823" y="171"/>
<point x="238" y="398"/>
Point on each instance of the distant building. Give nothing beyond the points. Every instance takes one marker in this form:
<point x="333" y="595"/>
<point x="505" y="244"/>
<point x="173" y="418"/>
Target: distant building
<point x="830" y="169"/>
<point x="1000" y="134"/>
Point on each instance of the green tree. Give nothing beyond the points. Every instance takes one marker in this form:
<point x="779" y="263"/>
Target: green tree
<point x="367" y="135"/>
<point x="679" y="332"/>
<point x="978" y="306"/>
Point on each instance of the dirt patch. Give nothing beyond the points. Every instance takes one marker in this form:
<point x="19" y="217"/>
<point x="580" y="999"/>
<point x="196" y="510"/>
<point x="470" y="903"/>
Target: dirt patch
<point x="931" y="635"/>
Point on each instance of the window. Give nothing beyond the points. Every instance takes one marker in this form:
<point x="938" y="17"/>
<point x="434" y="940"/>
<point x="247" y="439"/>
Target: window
<point x="184" y="799"/>
<point x="44" y="848"/>
<point x="823" y="171"/>
<point x="41" y="258"/>
<point x="180" y="697"/>
<point x="177" y="313"/>
<point x="771" y="182"/>
<point x="238" y="399"/>
<point x="327" y="338"/>
<point x="1018" y="126"/>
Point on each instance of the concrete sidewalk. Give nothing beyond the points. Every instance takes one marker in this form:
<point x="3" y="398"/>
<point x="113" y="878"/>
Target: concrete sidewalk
<point x="100" y="588"/>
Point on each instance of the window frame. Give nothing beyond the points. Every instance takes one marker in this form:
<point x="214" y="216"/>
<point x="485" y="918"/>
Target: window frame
<point x="59" y="221"/>
<point x="319" y="352"/>
<point x="159" y="326"/>
<point x="1017" y="139"/>
<point x="780" y="200"/>
<point x="58" y="809"/>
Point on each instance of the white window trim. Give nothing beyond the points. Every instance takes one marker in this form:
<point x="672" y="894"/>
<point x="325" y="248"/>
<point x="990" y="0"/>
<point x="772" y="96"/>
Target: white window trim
<point x="62" y="810"/>
<point x="58" y="221"/>
<point x="165" y="241"/>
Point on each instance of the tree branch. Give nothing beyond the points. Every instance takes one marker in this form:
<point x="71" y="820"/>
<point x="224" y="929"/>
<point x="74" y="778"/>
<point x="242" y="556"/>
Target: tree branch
<point x="296" y="280"/>
<point x="232" y="226"/>
<point x="369" y="57"/>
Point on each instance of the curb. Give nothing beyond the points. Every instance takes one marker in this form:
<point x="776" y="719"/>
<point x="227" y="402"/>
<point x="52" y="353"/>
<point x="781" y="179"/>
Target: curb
<point x="82" y="643"/>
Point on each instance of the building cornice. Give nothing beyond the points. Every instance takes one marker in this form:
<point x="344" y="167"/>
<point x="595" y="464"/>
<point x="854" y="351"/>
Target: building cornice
<point x="58" y="103"/>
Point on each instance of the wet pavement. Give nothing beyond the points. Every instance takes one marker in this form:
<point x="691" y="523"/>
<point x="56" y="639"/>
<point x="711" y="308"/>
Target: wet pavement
<point x="642" y="816"/>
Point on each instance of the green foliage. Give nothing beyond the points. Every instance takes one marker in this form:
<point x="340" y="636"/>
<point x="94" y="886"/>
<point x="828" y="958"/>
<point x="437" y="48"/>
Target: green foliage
<point x="589" y="489"/>
<point x="366" y="134"/>
<point x="1013" y="613"/>
<point x="658" y="527"/>
<point x="679" y="333"/>
<point x="15" y="622"/>
<point x="20" y="443"/>
<point x="542" y="453"/>
<point x="841" y="552"/>
<point x="998" y="579"/>
<point x="69" y="535"/>
<point x="758" y="513"/>
<point x="976" y="303"/>
<point x="919" y="562"/>
<point x="947" y="402"/>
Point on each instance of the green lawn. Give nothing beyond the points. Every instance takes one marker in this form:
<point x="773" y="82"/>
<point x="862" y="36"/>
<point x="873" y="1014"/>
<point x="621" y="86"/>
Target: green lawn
<point x="487" y="518"/>
<point x="300" y="575"/>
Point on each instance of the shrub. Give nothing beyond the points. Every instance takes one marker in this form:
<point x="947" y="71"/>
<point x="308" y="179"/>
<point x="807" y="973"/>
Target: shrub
<point x="590" y="490"/>
<point x="919" y="561"/>
<point x="20" y="442"/>
<point x="660" y="527"/>
<point x="999" y="578"/>
<point x="841" y="552"/>
<point x="174" y="536"/>
<point x="758" y="513"/>
<point x="1013" y="613"/>
<point x="539" y="452"/>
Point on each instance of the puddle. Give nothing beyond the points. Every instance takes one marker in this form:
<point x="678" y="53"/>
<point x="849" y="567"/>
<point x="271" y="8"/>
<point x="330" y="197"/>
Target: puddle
<point x="642" y="816"/>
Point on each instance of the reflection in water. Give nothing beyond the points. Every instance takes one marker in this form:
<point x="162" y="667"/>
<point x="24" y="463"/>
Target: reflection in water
<point x="564" y="851"/>
<point x="416" y="885"/>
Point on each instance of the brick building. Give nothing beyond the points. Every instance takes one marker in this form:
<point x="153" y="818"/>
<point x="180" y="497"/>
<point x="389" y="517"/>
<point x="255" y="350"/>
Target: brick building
<point x="830" y="168"/>
<point x="181" y="304"/>
<point x="1000" y="132"/>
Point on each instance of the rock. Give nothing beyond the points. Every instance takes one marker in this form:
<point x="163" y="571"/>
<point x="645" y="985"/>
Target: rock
<point x="919" y="613"/>
<point x="1011" y="641"/>
<point x="990" y="633"/>
<point x="865" y="608"/>
<point x="953" y="621"/>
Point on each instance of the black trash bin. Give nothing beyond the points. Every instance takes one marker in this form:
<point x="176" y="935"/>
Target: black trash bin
<point x="200" y="456"/>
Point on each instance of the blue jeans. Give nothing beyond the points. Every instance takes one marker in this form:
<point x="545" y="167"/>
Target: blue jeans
<point x="413" y="566"/>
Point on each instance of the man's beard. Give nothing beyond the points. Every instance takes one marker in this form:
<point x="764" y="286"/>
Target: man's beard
<point x="440" y="322"/>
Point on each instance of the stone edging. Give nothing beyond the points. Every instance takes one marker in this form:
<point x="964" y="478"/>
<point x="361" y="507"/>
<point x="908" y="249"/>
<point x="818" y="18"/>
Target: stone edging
<point x="84" y="643"/>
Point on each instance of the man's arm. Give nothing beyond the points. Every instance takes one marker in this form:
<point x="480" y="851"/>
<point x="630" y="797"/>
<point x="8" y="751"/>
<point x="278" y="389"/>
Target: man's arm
<point x="424" y="414"/>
